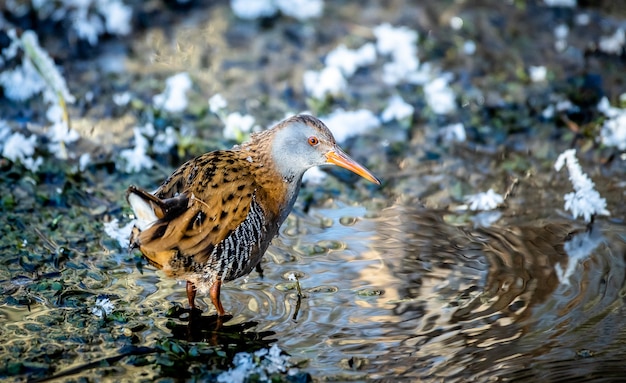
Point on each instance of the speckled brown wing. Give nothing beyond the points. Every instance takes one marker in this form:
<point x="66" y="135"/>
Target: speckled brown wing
<point x="208" y="197"/>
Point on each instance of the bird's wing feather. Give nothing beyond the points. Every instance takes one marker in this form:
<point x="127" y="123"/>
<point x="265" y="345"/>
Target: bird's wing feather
<point x="208" y="198"/>
<point x="151" y="208"/>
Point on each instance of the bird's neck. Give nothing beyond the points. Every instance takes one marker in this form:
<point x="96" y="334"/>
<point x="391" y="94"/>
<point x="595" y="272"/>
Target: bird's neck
<point x="280" y="190"/>
<point x="293" y="188"/>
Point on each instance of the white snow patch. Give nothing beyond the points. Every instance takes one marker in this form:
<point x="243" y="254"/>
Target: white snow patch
<point x="613" y="131"/>
<point x="298" y="9"/>
<point x="613" y="44"/>
<point x="327" y="82"/>
<point x="253" y="9"/>
<point x="217" y="103"/>
<point x="349" y="60"/>
<point x="262" y="363"/>
<point x="301" y="9"/>
<point x="119" y="233"/>
<point x="83" y="161"/>
<point x="174" y="97"/>
<point x="238" y="127"/>
<point x="165" y="141"/>
<point x="23" y="82"/>
<point x="397" y="109"/>
<point x="537" y="73"/>
<point x="439" y="96"/>
<point x="585" y="201"/>
<point x="137" y="159"/>
<point x="121" y="99"/>
<point x="484" y="201"/>
<point x="117" y="16"/>
<point x="103" y="307"/>
<point x="19" y="148"/>
<point x="401" y="44"/>
<point x="345" y="124"/>
<point x="453" y="132"/>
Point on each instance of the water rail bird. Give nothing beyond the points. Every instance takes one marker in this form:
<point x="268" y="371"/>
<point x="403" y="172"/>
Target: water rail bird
<point x="212" y="220"/>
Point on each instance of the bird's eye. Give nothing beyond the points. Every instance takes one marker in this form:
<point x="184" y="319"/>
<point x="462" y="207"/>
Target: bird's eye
<point x="313" y="141"/>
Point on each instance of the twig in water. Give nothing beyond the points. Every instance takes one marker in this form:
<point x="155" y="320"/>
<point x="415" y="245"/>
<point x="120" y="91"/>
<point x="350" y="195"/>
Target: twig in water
<point x="299" y="300"/>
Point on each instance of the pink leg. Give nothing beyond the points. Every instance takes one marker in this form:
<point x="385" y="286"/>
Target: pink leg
<point x="215" y="297"/>
<point x="191" y="294"/>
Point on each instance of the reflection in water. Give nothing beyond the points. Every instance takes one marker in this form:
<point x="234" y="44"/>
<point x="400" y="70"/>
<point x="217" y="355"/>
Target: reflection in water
<point x="521" y="270"/>
<point x="579" y="247"/>
<point x="495" y="302"/>
<point x="214" y="330"/>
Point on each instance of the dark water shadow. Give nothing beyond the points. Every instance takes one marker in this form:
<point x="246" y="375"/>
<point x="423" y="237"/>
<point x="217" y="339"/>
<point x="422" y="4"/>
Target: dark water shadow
<point x="216" y="331"/>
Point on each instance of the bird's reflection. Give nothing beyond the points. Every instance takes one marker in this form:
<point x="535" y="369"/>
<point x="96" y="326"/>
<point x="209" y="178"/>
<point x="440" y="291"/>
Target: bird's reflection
<point x="522" y="268"/>
<point x="514" y="266"/>
<point x="192" y="326"/>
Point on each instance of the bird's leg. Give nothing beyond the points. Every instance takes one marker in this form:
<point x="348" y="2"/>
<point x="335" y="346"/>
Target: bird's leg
<point x="191" y="295"/>
<point x="215" y="297"/>
<point x="259" y="269"/>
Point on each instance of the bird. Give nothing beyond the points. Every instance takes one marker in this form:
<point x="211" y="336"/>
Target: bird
<point x="214" y="217"/>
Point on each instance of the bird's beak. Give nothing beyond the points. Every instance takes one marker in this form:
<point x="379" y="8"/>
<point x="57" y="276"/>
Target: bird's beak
<point x="339" y="158"/>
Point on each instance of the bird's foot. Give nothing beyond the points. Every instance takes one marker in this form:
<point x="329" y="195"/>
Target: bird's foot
<point x="259" y="269"/>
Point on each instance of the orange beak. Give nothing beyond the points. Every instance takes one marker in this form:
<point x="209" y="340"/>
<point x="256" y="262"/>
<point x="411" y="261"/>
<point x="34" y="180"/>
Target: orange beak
<point x="339" y="158"/>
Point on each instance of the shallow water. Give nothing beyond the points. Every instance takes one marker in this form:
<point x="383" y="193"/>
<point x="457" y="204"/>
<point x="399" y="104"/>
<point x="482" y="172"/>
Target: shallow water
<point x="405" y="294"/>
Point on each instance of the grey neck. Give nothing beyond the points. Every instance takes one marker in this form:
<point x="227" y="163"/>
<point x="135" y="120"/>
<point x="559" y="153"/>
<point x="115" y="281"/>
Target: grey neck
<point x="293" y="188"/>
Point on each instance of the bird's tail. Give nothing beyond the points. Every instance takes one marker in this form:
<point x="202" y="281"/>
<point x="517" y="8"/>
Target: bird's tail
<point x="147" y="208"/>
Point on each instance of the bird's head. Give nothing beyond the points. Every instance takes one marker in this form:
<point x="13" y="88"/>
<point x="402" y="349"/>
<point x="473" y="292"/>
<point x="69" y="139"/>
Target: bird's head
<point x="302" y="142"/>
